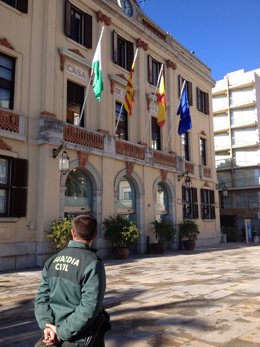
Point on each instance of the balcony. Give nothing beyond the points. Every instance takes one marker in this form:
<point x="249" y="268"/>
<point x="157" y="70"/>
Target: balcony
<point x="11" y="124"/>
<point x="130" y="150"/>
<point x="55" y="132"/>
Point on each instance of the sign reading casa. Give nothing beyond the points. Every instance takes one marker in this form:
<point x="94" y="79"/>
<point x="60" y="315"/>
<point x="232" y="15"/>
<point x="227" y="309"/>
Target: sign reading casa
<point x="76" y="71"/>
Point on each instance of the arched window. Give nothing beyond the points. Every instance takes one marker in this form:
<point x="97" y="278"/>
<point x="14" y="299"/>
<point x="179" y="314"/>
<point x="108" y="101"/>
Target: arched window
<point x="162" y="202"/>
<point x="78" y="193"/>
<point x="126" y="197"/>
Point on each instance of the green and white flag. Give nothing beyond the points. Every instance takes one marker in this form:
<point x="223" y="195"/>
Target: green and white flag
<point x="97" y="69"/>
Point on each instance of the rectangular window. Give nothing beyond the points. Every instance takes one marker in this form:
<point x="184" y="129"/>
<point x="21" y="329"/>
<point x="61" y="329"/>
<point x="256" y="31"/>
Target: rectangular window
<point x="20" y="5"/>
<point x="153" y="70"/>
<point x="13" y="187"/>
<point x="78" y="25"/>
<point x="188" y="87"/>
<point x="207" y="204"/>
<point x="7" y="74"/>
<point x="189" y="203"/>
<point x="156" y="134"/>
<point x="202" y="101"/>
<point x="75" y="99"/>
<point x="122" y="126"/>
<point x="123" y="52"/>
<point x="185" y="138"/>
<point x="203" y="154"/>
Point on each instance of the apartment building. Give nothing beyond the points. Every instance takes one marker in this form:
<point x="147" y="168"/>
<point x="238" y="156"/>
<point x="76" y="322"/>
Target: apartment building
<point x="236" y="110"/>
<point x="128" y="165"/>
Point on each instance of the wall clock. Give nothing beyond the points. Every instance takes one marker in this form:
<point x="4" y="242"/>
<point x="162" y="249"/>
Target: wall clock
<point x="127" y="7"/>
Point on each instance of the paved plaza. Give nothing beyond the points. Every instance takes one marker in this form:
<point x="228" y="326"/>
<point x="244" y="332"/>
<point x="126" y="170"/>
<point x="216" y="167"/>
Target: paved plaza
<point x="202" y="298"/>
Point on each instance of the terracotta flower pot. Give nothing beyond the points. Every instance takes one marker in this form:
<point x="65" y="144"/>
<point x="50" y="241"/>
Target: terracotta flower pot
<point x="158" y="248"/>
<point x="120" y="252"/>
<point x="189" y="244"/>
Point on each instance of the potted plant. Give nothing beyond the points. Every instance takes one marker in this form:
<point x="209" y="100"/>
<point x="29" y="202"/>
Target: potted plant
<point x="164" y="231"/>
<point x="188" y="231"/>
<point x="122" y="233"/>
<point x="60" y="232"/>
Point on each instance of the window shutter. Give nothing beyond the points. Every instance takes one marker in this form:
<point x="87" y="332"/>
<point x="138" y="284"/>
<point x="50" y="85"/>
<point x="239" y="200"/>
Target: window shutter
<point x="198" y="99"/>
<point x="150" y="69"/>
<point x="202" y="196"/>
<point x="87" y="30"/>
<point x="19" y="173"/>
<point x="67" y="19"/>
<point x="195" y="195"/>
<point x="22" y="5"/>
<point x="206" y="103"/>
<point x="212" y="197"/>
<point x="18" y="202"/>
<point x="189" y="89"/>
<point x="196" y="211"/>
<point x="115" y="48"/>
<point x="179" y="85"/>
<point x="130" y="54"/>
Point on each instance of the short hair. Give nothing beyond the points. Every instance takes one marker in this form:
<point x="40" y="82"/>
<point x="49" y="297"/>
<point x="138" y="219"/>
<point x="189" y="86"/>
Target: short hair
<point x="85" y="227"/>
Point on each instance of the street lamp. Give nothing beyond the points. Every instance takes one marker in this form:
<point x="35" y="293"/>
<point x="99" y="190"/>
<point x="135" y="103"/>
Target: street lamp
<point x="64" y="160"/>
<point x="187" y="180"/>
<point x="223" y="189"/>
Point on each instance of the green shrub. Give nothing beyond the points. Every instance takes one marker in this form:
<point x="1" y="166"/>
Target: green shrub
<point x="164" y="230"/>
<point x="120" y="231"/>
<point x="60" y="232"/>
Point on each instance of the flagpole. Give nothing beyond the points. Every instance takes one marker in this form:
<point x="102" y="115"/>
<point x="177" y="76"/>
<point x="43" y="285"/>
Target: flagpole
<point x="90" y="77"/>
<point x="169" y="136"/>
<point x="121" y="109"/>
<point x="151" y="106"/>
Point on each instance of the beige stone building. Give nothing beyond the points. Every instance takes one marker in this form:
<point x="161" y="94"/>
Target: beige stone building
<point x="137" y="169"/>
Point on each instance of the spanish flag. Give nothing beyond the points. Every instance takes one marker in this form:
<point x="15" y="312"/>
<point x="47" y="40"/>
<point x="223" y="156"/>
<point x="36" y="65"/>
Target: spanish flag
<point x="129" y="93"/>
<point x="161" y="100"/>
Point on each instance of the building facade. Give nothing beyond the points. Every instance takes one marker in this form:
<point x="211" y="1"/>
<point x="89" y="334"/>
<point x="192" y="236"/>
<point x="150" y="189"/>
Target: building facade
<point x="236" y="110"/>
<point x="124" y="165"/>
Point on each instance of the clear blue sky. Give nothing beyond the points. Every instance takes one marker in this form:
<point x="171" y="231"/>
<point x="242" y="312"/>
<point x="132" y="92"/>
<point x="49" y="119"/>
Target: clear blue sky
<point x="224" y="34"/>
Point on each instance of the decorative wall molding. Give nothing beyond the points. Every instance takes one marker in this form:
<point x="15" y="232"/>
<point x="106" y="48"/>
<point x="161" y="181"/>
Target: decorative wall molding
<point x="164" y="174"/>
<point x="101" y="17"/>
<point x="4" y="42"/>
<point x="5" y="146"/>
<point x="171" y="64"/>
<point x="83" y="158"/>
<point x="141" y="44"/>
<point x="129" y="168"/>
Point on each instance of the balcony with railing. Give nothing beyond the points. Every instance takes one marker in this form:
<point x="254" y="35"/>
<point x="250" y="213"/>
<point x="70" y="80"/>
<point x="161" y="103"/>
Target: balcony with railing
<point x="55" y="132"/>
<point x="11" y="124"/>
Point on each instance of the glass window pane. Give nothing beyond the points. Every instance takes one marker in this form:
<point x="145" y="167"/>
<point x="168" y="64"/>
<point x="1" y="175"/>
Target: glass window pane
<point x="3" y="199"/>
<point x="3" y="171"/>
<point x="126" y="199"/>
<point x="78" y="190"/>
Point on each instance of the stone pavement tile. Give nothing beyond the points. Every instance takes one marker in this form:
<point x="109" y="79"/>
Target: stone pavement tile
<point x="228" y="331"/>
<point x="197" y="344"/>
<point x="252" y="336"/>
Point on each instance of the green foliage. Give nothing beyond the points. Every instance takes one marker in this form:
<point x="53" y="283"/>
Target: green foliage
<point x="164" y="230"/>
<point x="231" y="234"/>
<point x="120" y="231"/>
<point x="189" y="230"/>
<point x="60" y="232"/>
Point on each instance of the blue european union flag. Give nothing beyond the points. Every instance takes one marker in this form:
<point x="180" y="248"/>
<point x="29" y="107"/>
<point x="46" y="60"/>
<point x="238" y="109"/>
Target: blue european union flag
<point x="184" y="112"/>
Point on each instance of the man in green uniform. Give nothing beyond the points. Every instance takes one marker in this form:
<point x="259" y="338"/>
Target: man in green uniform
<point x="69" y="302"/>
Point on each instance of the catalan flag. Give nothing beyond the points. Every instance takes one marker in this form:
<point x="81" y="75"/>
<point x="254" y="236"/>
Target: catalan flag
<point x="129" y="93"/>
<point x="161" y="100"/>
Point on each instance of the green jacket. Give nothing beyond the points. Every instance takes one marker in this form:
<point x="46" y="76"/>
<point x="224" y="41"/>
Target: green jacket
<point x="71" y="292"/>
